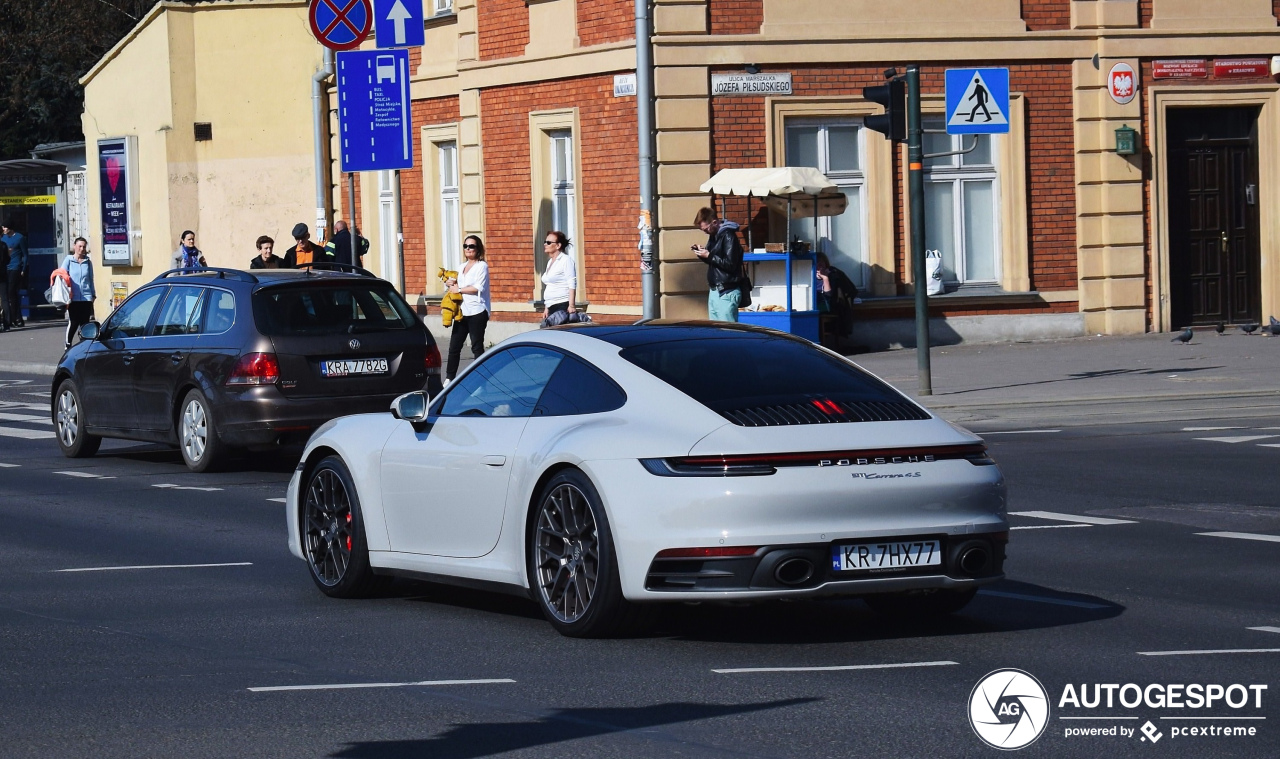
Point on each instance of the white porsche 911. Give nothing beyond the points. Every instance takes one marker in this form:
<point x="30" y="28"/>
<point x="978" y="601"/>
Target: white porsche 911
<point x="601" y="470"/>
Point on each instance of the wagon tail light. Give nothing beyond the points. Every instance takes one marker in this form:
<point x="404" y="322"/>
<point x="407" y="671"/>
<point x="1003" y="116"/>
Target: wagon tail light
<point x="255" y="369"/>
<point x="433" y="357"/>
<point x="739" y="465"/>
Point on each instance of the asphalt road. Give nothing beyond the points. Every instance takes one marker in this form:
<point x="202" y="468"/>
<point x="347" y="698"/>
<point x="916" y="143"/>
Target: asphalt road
<point x="155" y="662"/>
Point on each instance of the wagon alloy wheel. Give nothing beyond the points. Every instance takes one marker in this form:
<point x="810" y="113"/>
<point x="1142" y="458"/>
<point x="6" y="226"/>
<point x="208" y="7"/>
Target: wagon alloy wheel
<point x="68" y="417"/>
<point x="195" y="430"/>
<point x="198" y="439"/>
<point x="568" y="552"/>
<point x="328" y="527"/>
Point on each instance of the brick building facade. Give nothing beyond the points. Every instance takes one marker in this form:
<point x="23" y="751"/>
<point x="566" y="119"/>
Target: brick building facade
<point x="1046" y="231"/>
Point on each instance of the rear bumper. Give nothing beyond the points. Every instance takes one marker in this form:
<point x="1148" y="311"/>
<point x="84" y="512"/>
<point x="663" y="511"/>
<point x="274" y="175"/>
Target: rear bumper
<point x="262" y="416"/>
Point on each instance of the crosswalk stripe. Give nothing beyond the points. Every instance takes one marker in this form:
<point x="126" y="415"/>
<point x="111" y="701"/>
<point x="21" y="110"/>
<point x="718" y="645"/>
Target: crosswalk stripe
<point x="24" y="418"/>
<point x="25" y="434"/>
<point x="1243" y="536"/>
<point x="9" y="466"/>
<point x="86" y="475"/>
<point x="1069" y="517"/>
<point x="1237" y="438"/>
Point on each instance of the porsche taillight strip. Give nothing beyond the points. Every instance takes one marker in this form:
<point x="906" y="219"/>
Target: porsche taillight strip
<point x="767" y="463"/>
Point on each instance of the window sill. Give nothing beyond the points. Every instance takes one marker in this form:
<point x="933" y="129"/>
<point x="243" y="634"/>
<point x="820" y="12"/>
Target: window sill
<point x="972" y="296"/>
<point x="540" y="306"/>
<point x="440" y="19"/>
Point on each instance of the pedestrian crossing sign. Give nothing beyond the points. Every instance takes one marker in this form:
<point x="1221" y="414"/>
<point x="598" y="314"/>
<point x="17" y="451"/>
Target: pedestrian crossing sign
<point x="977" y="101"/>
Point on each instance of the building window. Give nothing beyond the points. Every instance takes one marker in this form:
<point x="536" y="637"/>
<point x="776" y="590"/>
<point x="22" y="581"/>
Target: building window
<point x="442" y="6"/>
<point x="962" y="218"/>
<point x="450" y="205"/>
<point x="836" y="148"/>
<point x="387" y="224"/>
<point x="563" y="195"/>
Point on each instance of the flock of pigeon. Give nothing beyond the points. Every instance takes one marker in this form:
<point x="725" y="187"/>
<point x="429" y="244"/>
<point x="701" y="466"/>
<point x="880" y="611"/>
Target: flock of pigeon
<point x="1185" y="335"/>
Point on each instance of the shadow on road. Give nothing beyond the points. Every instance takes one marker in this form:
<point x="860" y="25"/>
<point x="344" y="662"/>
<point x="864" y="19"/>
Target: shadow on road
<point x="283" y="460"/>
<point x="1086" y="376"/>
<point x="490" y="738"/>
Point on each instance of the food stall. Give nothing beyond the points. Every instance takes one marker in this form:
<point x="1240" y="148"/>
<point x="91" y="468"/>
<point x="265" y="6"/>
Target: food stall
<point x="784" y="288"/>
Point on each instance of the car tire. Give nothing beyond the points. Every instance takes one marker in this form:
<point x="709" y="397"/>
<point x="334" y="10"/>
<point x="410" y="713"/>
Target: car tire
<point x="921" y="604"/>
<point x="333" y="533"/>
<point x="569" y="540"/>
<point x="198" y="440"/>
<point x="68" y="422"/>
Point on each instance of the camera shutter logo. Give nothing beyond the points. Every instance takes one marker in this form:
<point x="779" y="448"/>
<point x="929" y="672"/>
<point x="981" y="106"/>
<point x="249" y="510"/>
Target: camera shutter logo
<point x="1009" y="709"/>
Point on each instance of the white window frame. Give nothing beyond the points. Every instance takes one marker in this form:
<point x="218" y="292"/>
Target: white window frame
<point x="563" y="187"/>
<point x="956" y="173"/>
<point x="450" y="204"/>
<point x="442" y="7"/>
<point x="845" y="179"/>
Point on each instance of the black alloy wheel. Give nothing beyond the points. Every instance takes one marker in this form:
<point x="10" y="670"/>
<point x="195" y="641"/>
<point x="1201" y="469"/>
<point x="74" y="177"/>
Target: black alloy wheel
<point x="68" y="419"/>
<point x="573" y="568"/>
<point x="333" y="533"/>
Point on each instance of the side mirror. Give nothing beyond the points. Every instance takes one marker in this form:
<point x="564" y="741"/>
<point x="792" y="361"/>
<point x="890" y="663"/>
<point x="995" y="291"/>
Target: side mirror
<point x="89" y="332"/>
<point x="411" y="407"/>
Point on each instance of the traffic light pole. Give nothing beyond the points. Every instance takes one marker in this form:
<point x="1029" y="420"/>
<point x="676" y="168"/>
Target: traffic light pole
<point x="915" y="176"/>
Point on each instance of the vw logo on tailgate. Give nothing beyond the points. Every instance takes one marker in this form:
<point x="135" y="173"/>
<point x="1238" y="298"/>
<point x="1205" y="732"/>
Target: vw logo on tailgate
<point x="354" y="344"/>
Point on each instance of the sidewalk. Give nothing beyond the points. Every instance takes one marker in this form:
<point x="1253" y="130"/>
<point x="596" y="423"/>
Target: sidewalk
<point x="1088" y="376"/>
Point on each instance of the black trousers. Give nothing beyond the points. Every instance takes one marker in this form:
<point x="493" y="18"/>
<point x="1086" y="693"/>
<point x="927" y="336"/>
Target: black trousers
<point x="79" y="313"/>
<point x="472" y="326"/>
<point x="12" y="286"/>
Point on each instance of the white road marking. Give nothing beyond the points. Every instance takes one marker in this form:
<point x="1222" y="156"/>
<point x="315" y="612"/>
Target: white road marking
<point x="1069" y="517"/>
<point x="170" y="486"/>
<point x="25" y="434"/>
<point x="276" y="500"/>
<point x="1269" y="445"/>
<point x="1266" y="629"/>
<point x="1209" y="429"/>
<point x="1237" y="438"/>
<point x="1016" y="432"/>
<point x="85" y="475"/>
<point x="1043" y="599"/>
<point x="1199" y="718"/>
<point x="157" y="566"/>
<point x="38" y="395"/>
<point x="24" y="418"/>
<point x="24" y="404"/>
<point x="1047" y="526"/>
<point x="9" y="466"/>
<point x="1243" y="536"/>
<point x="1212" y="651"/>
<point x="743" y="670"/>
<point x="347" y="686"/>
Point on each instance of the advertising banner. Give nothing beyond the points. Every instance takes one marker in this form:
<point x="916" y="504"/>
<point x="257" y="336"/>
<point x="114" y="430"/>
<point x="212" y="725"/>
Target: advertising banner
<point x="114" y="180"/>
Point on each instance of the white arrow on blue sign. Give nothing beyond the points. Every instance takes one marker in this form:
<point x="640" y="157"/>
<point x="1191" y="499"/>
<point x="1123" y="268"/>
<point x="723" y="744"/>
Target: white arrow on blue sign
<point x="398" y="23"/>
<point x="373" y="110"/>
<point x="978" y="101"/>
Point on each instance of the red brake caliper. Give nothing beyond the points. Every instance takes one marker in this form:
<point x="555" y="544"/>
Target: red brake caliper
<point x="348" y="532"/>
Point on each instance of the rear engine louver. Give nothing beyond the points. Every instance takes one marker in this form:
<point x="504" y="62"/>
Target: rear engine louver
<point x="824" y="412"/>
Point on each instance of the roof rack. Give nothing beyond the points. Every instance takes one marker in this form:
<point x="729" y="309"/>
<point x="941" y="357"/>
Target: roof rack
<point x="334" y="266"/>
<point x="236" y="274"/>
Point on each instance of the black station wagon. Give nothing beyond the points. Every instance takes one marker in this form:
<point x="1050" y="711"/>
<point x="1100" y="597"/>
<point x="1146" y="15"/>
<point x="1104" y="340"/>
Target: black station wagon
<point x="218" y="359"/>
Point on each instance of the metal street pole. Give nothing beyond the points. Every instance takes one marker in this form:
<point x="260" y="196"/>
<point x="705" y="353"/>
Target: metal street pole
<point x="644" y="126"/>
<point x="915" y="174"/>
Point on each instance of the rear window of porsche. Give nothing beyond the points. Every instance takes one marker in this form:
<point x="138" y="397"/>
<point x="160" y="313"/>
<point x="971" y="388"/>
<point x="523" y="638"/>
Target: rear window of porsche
<point x="768" y="381"/>
<point x="330" y="309"/>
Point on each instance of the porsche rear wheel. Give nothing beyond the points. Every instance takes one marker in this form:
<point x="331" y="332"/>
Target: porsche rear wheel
<point x="333" y="533"/>
<point x="573" y="569"/>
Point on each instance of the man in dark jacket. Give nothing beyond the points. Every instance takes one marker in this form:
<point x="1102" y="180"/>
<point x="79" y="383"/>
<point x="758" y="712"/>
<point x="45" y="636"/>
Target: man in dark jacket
<point x="338" y="247"/>
<point x="723" y="257"/>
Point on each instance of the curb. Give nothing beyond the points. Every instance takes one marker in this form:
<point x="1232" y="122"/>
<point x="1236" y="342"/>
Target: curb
<point x="22" y="367"/>
<point x="1096" y="400"/>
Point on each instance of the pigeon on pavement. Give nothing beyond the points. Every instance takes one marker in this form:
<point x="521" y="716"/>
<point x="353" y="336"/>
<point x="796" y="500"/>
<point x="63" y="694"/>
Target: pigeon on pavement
<point x="1219" y="328"/>
<point x="1183" y="337"/>
<point x="1275" y="326"/>
<point x="1249" y="329"/>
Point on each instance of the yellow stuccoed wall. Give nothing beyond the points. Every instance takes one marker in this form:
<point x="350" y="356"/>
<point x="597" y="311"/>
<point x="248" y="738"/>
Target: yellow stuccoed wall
<point x="243" y="67"/>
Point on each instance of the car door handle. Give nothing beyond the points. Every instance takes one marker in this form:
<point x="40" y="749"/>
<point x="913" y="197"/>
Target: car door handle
<point x="128" y="358"/>
<point x="494" y="460"/>
<point x="176" y="357"/>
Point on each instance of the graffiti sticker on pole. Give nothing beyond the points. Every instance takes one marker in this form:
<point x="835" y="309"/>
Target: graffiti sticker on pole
<point x="340" y="24"/>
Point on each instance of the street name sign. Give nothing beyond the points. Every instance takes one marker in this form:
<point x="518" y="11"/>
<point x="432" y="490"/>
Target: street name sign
<point x="340" y="24"/>
<point x="978" y="101"/>
<point x="398" y="23"/>
<point x="373" y="110"/>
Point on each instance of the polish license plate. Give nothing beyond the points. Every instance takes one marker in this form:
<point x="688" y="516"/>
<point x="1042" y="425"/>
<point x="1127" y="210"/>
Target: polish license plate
<point x="348" y="367"/>
<point x="895" y="554"/>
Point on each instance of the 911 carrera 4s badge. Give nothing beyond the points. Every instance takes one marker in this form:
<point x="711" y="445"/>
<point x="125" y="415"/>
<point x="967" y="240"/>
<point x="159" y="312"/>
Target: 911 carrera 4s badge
<point x="873" y="476"/>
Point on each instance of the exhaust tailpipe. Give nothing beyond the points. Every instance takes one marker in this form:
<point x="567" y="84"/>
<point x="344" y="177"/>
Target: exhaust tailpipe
<point x="974" y="561"/>
<point x="793" y="571"/>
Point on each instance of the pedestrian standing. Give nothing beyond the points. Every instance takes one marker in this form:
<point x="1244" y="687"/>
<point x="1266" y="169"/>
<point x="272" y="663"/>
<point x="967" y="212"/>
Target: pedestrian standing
<point x="473" y="285"/>
<point x="338" y="248"/>
<point x="265" y="258"/>
<point x="79" y="268"/>
<point x="15" y="272"/>
<point x="4" y="287"/>
<point x="304" y="252"/>
<point x="723" y="256"/>
<point x="560" y="279"/>
<point x="188" y="256"/>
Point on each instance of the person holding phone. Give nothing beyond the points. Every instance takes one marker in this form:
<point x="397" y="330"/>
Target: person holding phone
<point x="723" y="256"/>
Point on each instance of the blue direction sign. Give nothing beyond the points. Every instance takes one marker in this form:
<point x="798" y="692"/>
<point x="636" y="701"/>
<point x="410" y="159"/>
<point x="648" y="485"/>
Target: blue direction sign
<point x="373" y="110"/>
<point x="398" y="23"/>
<point x="977" y="101"/>
<point x="340" y="24"/>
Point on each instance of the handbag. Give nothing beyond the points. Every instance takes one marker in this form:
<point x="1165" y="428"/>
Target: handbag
<point x="744" y="287"/>
<point x="59" y="294"/>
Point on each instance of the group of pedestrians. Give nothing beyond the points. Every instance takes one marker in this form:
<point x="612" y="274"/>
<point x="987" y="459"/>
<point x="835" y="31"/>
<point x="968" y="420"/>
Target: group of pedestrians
<point x="13" y="272"/>
<point x="343" y="247"/>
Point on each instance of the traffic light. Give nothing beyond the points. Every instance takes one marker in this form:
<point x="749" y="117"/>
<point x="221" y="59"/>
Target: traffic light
<point x="893" y="122"/>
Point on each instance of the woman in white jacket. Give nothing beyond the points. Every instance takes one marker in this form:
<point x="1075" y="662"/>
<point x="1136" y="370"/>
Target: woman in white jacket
<point x="473" y="284"/>
<point x="560" y="280"/>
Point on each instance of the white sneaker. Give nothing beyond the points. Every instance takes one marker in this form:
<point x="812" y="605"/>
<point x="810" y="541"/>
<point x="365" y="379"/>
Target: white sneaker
<point x="446" y="382"/>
